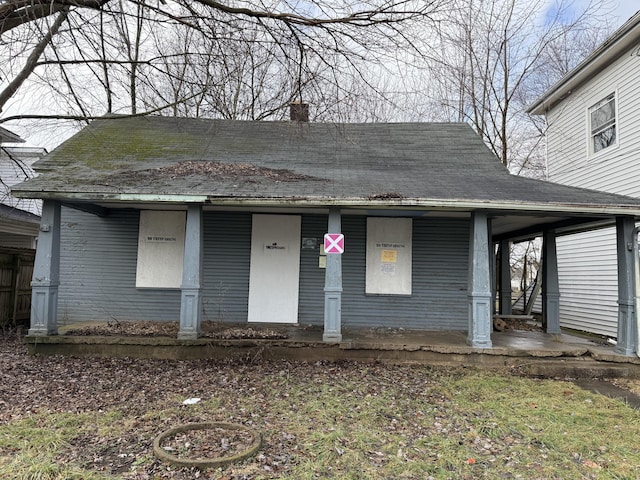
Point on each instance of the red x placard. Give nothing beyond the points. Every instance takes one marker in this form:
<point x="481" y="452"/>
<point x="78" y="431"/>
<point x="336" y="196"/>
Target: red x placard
<point x="333" y="243"/>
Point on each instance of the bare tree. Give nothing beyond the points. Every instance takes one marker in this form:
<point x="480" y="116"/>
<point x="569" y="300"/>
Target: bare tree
<point x="490" y="56"/>
<point x="200" y="57"/>
<point x="490" y="60"/>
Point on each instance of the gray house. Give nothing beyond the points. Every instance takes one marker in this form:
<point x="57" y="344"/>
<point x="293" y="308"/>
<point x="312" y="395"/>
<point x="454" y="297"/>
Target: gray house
<point x="161" y="219"/>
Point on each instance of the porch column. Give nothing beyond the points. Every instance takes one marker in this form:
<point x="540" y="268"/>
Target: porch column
<point x="46" y="273"/>
<point x="627" y="341"/>
<point x="550" y="285"/>
<point x="493" y="271"/>
<point x="191" y="301"/>
<point x="479" y="285"/>
<point x="333" y="286"/>
<point x="505" y="278"/>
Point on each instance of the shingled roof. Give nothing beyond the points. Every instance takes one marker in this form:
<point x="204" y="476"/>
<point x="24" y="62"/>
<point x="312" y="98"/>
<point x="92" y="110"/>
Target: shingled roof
<point x="407" y="164"/>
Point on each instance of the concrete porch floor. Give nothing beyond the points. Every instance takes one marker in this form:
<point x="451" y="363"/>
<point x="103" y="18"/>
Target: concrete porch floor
<point x="530" y="352"/>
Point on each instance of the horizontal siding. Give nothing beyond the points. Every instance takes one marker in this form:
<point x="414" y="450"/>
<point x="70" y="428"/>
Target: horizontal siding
<point x="227" y="255"/>
<point x="17" y="241"/>
<point x="615" y="169"/>
<point x="98" y="271"/>
<point x="587" y="262"/>
<point x="439" y="284"/>
<point x="311" y="299"/>
<point x="588" y="277"/>
<point x="12" y="173"/>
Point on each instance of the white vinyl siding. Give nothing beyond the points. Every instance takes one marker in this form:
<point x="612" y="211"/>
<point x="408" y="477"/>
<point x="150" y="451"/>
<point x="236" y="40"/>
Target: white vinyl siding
<point x="613" y="170"/>
<point x="587" y="273"/>
<point x="587" y="262"/>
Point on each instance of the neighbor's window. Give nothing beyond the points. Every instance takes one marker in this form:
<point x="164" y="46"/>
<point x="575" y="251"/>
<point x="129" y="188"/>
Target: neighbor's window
<point x="602" y="118"/>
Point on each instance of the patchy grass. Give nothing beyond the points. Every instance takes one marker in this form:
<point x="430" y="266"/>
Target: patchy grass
<point x="65" y="418"/>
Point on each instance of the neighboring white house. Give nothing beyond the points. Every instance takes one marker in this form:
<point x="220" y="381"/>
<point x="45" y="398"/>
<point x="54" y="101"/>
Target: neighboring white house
<point x="19" y="218"/>
<point x="593" y="141"/>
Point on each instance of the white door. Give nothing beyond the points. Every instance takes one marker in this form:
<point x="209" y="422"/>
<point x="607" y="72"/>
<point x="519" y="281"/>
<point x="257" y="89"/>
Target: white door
<point x="275" y="269"/>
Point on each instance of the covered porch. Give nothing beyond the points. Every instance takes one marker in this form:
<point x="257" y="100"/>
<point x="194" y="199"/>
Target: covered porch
<point x="488" y="287"/>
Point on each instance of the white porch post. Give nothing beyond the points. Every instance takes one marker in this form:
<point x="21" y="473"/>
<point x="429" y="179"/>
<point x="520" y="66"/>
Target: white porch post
<point x="191" y="301"/>
<point x="505" y="278"/>
<point x="627" y="343"/>
<point x="46" y="273"/>
<point x="333" y="287"/>
<point x="479" y="285"/>
<point x="550" y="284"/>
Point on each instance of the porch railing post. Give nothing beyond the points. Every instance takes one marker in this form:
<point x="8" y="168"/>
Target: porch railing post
<point x="46" y="273"/>
<point x="333" y="286"/>
<point x="505" y="277"/>
<point x="479" y="287"/>
<point x="550" y="284"/>
<point x="191" y="299"/>
<point x="627" y="343"/>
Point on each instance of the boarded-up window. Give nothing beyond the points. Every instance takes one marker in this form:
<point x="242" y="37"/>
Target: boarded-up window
<point x="389" y="256"/>
<point x="160" y="249"/>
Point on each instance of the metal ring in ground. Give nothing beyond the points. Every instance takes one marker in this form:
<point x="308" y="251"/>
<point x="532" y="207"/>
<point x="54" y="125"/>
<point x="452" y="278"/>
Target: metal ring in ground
<point x="165" y="456"/>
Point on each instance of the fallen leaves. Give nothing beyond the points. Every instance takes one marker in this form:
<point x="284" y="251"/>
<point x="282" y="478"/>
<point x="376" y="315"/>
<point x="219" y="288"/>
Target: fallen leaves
<point x="334" y="420"/>
<point x="590" y="464"/>
<point x="170" y="329"/>
<point x="210" y="171"/>
<point x="210" y="443"/>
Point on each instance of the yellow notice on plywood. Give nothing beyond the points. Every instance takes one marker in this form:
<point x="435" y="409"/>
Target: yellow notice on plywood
<point x="389" y="256"/>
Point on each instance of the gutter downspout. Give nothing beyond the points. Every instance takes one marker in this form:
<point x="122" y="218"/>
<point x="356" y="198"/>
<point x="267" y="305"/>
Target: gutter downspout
<point x="636" y="292"/>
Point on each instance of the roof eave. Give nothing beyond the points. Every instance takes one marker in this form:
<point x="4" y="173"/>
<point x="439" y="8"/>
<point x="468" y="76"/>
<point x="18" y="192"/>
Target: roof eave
<point x="345" y="202"/>
<point x="623" y="38"/>
<point x="7" y="136"/>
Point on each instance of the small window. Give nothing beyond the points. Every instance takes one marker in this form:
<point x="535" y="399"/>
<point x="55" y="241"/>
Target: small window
<point x="602" y="117"/>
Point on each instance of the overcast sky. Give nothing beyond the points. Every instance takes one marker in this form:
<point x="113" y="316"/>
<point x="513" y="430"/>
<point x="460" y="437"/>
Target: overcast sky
<point x="620" y="12"/>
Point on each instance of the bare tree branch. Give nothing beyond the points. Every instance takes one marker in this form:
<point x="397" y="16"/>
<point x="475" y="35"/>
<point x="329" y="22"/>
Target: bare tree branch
<point x="32" y="60"/>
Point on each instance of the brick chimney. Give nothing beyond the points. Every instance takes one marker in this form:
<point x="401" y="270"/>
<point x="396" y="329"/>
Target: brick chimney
<point x="299" y="112"/>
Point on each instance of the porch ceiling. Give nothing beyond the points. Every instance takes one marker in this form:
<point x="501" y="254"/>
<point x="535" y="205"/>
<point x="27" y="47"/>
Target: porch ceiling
<point x="505" y="224"/>
<point x="520" y="227"/>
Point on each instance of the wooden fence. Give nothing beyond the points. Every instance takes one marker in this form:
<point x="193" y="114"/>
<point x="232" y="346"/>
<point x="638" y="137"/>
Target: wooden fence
<point x="16" y="269"/>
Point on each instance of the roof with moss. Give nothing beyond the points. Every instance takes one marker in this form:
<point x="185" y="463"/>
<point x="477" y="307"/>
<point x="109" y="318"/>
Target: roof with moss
<point x="222" y="159"/>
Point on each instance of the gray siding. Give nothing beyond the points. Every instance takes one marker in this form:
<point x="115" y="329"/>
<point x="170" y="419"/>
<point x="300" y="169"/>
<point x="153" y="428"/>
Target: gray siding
<point x="98" y="271"/>
<point x="439" y="290"/>
<point x="227" y="255"/>
<point x="588" y="276"/>
<point x="311" y="300"/>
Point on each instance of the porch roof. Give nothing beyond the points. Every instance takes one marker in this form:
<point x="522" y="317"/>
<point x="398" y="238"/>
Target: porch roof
<point x="422" y="166"/>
